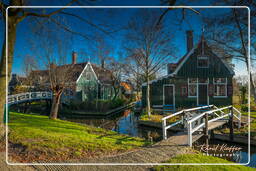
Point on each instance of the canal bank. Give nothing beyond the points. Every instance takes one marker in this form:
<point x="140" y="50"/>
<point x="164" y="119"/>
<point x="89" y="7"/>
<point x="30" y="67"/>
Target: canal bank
<point x="128" y="123"/>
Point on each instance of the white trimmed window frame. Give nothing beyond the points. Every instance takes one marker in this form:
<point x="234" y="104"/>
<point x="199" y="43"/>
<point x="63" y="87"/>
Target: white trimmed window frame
<point x="203" y="58"/>
<point x="226" y="89"/>
<point x="195" y="84"/>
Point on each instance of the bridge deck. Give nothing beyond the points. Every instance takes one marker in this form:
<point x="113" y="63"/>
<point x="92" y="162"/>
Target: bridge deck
<point x="181" y="138"/>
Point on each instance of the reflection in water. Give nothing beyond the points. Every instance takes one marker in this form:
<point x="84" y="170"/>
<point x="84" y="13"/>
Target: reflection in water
<point x="123" y="123"/>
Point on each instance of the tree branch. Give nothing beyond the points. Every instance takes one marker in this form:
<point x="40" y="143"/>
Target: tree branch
<point x="86" y="21"/>
<point x="26" y="14"/>
<point x="171" y="3"/>
<point x="2" y="8"/>
<point x="68" y="29"/>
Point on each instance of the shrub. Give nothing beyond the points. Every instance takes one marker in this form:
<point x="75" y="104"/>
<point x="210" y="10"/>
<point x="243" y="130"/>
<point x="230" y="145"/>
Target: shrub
<point x="253" y="107"/>
<point x="244" y="108"/>
<point x="117" y="103"/>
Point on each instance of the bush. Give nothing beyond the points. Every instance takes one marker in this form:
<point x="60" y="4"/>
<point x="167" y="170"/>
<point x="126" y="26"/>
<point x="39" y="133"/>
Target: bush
<point x="117" y="103"/>
<point x="253" y="107"/>
<point x="97" y="105"/>
<point x="244" y="108"/>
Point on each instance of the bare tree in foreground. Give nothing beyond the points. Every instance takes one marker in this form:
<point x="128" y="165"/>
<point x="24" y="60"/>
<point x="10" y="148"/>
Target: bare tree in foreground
<point x="56" y="74"/>
<point x="149" y="45"/>
<point x="15" y="18"/>
<point x="228" y="35"/>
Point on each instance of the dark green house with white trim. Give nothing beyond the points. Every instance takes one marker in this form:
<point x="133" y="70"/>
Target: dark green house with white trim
<point x="199" y="78"/>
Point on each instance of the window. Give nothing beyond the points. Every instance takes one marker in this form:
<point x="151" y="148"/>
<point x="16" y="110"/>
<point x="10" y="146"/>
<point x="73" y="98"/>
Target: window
<point x="202" y="62"/>
<point x="192" y="87"/>
<point x="220" y="87"/>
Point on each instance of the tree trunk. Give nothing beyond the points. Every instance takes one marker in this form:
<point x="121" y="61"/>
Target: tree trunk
<point x="148" y="98"/>
<point x="116" y="91"/>
<point x="55" y="105"/>
<point x="253" y="90"/>
<point x="3" y="74"/>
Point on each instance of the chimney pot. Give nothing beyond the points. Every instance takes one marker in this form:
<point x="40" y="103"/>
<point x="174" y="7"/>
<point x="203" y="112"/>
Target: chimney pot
<point x="189" y="40"/>
<point x="171" y="67"/>
<point x="74" y="57"/>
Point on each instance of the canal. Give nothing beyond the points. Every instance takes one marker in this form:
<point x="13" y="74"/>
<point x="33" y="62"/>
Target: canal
<point x="126" y="123"/>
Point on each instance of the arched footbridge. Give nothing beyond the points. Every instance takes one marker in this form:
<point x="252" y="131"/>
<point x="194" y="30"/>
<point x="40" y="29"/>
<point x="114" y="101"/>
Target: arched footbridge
<point x="29" y="96"/>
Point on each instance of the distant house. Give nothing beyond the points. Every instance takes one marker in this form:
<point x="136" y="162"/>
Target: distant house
<point x="200" y="77"/>
<point x="126" y="88"/>
<point x="15" y="81"/>
<point x="89" y="81"/>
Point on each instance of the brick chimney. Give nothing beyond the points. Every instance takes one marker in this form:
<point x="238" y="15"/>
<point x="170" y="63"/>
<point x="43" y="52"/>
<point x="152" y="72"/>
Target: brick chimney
<point x="171" y="68"/>
<point x="189" y="40"/>
<point x="74" y="57"/>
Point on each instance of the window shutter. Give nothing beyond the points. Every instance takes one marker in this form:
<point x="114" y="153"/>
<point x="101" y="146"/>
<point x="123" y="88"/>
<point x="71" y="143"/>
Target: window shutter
<point x="184" y="90"/>
<point x="230" y="90"/>
<point x="211" y="90"/>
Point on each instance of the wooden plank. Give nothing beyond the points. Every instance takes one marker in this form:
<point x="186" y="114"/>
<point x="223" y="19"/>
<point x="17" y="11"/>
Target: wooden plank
<point x="217" y="124"/>
<point x="181" y="138"/>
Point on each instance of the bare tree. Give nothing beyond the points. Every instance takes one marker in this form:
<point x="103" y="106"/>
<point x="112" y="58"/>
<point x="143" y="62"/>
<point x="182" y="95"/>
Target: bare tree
<point x="134" y="74"/>
<point x="149" y="45"/>
<point x="102" y="50"/>
<point x="228" y="35"/>
<point x="55" y="74"/>
<point x="16" y="16"/>
<point x="117" y="72"/>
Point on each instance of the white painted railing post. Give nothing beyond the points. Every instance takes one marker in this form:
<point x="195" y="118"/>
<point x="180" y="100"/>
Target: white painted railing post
<point x="164" y="129"/>
<point x="190" y="134"/>
<point x="239" y="120"/>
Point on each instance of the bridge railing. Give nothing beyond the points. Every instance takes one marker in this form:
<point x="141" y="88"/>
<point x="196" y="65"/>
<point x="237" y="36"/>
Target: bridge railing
<point x="17" y="98"/>
<point x="202" y="120"/>
<point x="165" y="127"/>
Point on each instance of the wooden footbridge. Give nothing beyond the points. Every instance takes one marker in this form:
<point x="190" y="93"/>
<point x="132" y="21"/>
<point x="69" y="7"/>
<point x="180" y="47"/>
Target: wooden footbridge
<point x="28" y="96"/>
<point x="198" y="122"/>
<point x="33" y="96"/>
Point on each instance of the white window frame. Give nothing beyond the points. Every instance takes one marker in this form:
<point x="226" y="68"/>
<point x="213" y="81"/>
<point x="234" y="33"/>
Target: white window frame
<point x="196" y="87"/>
<point x="203" y="57"/>
<point x="226" y="88"/>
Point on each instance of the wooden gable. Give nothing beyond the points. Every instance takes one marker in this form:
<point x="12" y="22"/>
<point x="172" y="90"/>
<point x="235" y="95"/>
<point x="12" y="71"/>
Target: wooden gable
<point x="188" y="67"/>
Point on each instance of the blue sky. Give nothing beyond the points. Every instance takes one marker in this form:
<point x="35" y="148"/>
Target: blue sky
<point x="117" y="18"/>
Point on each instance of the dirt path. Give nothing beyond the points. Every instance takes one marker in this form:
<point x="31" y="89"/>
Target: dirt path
<point x="5" y="167"/>
<point x="157" y="153"/>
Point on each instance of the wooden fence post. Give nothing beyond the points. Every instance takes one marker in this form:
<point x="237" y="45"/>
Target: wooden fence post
<point x="190" y="134"/>
<point x="206" y="130"/>
<point x="231" y="124"/>
<point x="183" y="119"/>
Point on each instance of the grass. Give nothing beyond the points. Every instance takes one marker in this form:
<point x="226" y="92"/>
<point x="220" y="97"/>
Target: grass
<point x="243" y="130"/>
<point x="253" y="114"/>
<point x="199" y="158"/>
<point x="40" y="137"/>
<point x="157" y="118"/>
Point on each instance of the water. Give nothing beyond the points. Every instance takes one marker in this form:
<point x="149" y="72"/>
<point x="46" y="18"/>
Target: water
<point x="126" y="123"/>
<point x="123" y="123"/>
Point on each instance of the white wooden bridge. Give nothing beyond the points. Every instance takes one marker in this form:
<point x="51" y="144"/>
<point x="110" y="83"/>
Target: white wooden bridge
<point x="28" y="96"/>
<point x="197" y="122"/>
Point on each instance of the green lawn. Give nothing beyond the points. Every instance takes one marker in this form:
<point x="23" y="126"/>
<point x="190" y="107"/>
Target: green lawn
<point x="199" y="158"/>
<point x="47" y="139"/>
<point x="252" y="114"/>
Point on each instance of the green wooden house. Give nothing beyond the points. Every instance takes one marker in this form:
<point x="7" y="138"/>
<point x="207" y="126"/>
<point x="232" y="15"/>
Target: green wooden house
<point x="89" y="81"/>
<point x="199" y="78"/>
